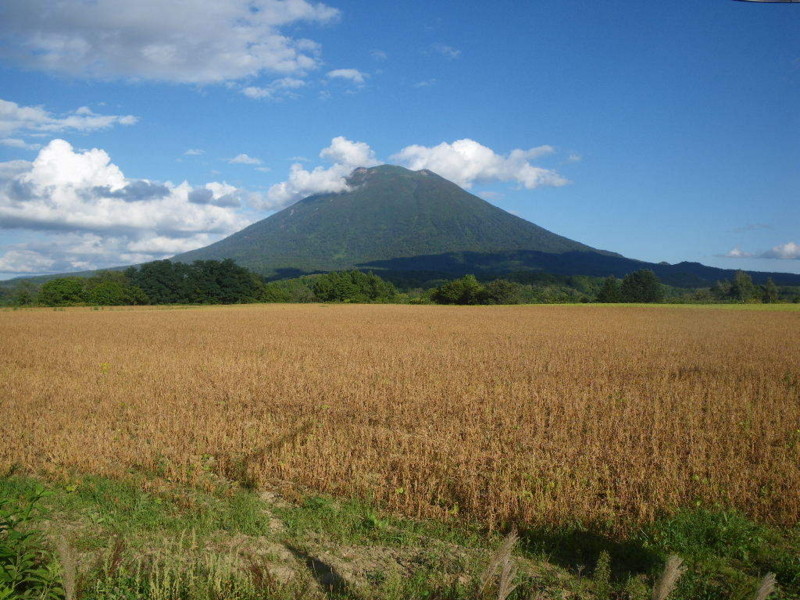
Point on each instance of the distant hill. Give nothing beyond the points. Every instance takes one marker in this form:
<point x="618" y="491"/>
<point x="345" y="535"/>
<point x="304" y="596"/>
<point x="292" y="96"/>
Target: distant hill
<point x="403" y="221"/>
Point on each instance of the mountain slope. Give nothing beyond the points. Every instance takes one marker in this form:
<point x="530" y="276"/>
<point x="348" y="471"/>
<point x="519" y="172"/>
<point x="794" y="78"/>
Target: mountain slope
<point x="390" y="213"/>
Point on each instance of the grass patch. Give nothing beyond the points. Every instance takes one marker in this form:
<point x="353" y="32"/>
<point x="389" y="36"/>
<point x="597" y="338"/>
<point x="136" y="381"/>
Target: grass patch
<point x="148" y="538"/>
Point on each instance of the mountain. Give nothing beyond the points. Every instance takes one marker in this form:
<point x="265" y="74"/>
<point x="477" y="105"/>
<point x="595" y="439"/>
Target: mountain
<point x="390" y="213"/>
<point x="401" y="221"/>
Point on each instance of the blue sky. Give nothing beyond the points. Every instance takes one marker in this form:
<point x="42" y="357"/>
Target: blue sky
<point x="660" y="130"/>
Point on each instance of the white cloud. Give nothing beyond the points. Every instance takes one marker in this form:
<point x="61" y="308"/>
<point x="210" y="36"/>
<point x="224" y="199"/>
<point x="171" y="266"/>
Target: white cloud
<point x="243" y="159"/>
<point x="276" y="90"/>
<point x="349" y="154"/>
<point x="89" y="215"/>
<point x="33" y="119"/>
<point x="447" y="51"/>
<point x="353" y="75"/>
<point x="378" y="54"/>
<point x="193" y="152"/>
<point x="84" y="191"/>
<point x="737" y="252"/>
<point x="787" y="251"/>
<point x="344" y="155"/>
<point x="466" y="162"/>
<point x="184" y="41"/>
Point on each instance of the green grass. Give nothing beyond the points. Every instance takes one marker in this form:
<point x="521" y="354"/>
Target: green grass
<point x="148" y="538"/>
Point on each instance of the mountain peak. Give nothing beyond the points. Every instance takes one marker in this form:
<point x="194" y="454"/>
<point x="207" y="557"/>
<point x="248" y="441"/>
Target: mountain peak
<point x="390" y="212"/>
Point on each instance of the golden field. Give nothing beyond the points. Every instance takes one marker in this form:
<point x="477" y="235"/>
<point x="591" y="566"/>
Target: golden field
<point x="536" y="415"/>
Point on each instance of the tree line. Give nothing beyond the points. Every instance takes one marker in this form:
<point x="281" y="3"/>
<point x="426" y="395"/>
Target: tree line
<point x="201" y="282"/>
<point x="225" y="282"/>
<point x="639" y="286"/>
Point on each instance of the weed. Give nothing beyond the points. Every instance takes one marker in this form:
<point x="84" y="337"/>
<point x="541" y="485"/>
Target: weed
<point x="27" y="569"/>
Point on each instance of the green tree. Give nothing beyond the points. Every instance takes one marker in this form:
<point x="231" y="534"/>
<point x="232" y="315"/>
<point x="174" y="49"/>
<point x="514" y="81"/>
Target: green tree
<point x="64" y="291"/>
<point x="202" y="282"/>
<point x="641" y="286"/>
<point x="466" y="290"/>
<point x="610" y="290"/>
<point x="742" y="288"/>
<point x="113" y="288"/>
<point x="288" y="290"/>
<point x="771" y="292"/>
<point x="501" y="291"/>
<point x="114" y="293"/>
<point x="352" y="286"/>
<point x="163" y="282"/>
<point x="721" y="290"/>
<point x="24" y="294"/>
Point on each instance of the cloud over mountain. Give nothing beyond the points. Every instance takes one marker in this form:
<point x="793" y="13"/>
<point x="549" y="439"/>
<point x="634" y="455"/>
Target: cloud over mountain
<point x="345" y="155"/>
<point x="466" y="162"/>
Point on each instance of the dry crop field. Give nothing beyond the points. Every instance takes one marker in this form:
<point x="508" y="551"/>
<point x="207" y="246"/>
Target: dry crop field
<point x="537" y="415"/>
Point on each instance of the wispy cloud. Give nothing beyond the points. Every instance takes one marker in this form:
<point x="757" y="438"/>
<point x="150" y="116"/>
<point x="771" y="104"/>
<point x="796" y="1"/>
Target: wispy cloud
<point x="446" y="51"/>
<point x="194" y="152"/>
<point x="426" y="83"/>
<point x="353" y="75"/>
<point x="244" y="159"/>
<point x="21" y="144"/>
<point x="276" y="90"/>
<point x="28" y="120"/>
